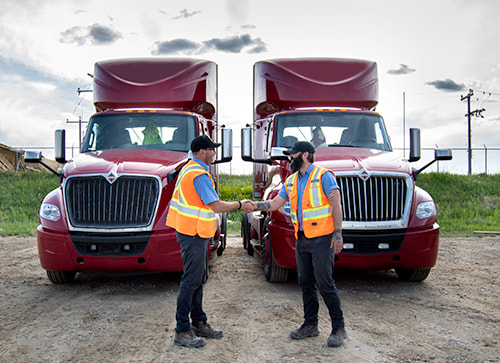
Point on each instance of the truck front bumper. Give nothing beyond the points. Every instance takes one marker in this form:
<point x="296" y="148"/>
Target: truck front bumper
<point x="57" y="252"/>
<point x="419" y="249"/>
<point x="372" y="251"/>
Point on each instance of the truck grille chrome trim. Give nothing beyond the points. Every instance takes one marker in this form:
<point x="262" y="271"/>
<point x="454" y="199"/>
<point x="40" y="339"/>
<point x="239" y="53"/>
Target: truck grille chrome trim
<point x="129" y="202"/>
<point x="382" y="200"/>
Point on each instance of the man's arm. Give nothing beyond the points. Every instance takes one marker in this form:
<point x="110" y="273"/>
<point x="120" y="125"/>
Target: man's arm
<point x="334" y="199"/>
<point x="270" y="205"/>
<point x="220" y="206"/>
<point x="206" y="192"/>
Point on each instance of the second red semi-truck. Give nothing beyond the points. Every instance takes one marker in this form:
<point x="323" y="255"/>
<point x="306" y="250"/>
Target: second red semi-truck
<point x="109" y="213"/>
<point x="388" y="221"/>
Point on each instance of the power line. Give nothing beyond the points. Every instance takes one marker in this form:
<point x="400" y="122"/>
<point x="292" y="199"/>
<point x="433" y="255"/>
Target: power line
<point x="82" y="97"/>
<point x="489" y="93"/>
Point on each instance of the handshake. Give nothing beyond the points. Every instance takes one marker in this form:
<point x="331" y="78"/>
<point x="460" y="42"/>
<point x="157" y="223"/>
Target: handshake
<point x="248" y="206"/>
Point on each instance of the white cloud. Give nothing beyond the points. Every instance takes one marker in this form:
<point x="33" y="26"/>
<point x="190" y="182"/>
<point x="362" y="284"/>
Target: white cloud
<point x="42" y="87"/>
<point x="452" y="42"/>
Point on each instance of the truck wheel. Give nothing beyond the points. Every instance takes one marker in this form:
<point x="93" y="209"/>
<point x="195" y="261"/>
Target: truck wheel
<point x="245" y="233"/>
<point x="413" y="275"/>
<point x="61" y="277"/>
<point x="222" y="245"/>
<point x="272" y="272"/>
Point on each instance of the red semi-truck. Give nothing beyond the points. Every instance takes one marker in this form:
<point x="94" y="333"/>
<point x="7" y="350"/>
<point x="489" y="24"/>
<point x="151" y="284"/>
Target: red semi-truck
<point x="388" y="221"/>
<point x="109" y="213"/>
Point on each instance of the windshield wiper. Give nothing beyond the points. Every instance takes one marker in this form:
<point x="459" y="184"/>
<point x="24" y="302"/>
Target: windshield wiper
<point x="339" y="145"/>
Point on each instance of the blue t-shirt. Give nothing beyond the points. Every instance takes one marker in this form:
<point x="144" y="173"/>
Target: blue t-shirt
<point x="328" y="182"/>
<point x="203" y="186"/>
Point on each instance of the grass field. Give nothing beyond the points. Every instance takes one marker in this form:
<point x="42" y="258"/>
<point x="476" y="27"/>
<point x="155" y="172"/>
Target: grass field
<point x="465" y="203"/>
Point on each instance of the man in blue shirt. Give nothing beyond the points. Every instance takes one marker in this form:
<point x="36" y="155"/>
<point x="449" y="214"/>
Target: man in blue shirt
<point x="315" y="255"/>
<point x="194" y="247"/>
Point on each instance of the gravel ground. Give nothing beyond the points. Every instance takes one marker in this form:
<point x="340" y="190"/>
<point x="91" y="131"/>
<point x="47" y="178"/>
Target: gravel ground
<point x="453" y="316"/>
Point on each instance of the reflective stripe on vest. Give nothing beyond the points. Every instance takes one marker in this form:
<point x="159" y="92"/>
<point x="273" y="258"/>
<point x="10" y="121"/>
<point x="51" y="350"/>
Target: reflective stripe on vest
<point x="182" y="206"/>
<point x="317" y="219"/>
<point x="188" y="214"/>
<point x="290" y="182"/>
<point x="319" y="209"/>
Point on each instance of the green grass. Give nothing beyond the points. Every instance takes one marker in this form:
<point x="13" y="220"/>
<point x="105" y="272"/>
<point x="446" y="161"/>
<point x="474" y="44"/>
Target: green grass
<point x="465" y="203"/>
<point x="21" y="194"/>
<point x="235" y="187"/>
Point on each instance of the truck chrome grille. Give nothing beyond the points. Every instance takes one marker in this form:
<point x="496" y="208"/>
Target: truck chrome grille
<point x="379" y="198"/>
<point x="94" y="202"/>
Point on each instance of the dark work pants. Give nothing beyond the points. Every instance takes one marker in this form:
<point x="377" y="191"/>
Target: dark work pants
<point x="315" y="261"/>
<point x="190" y="297"/>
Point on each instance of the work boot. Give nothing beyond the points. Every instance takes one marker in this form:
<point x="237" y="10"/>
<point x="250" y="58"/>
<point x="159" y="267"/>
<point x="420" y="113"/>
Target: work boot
<point x="202" y="329"/>
<point x="188" y="339"/>
<point x="337" y="337"/>
<point x="305" y="331"/>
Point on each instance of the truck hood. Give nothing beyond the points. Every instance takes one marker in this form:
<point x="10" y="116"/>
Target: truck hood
<point x="340" y="159"/>
<point x="125" y="161"/>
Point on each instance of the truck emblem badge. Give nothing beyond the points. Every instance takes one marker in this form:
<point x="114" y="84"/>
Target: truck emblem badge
<point x="364" y="175"/>
<point x="111" y="177"/>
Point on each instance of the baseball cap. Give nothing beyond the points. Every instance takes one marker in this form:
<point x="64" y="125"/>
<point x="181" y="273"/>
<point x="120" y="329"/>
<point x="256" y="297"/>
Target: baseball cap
<point x="203" y="142"/>
<point x="300" y="146"/>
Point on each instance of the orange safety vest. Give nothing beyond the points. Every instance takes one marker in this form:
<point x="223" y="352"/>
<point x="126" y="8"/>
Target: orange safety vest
<point x="317" y="216"/>
<point x="188" y="214"/>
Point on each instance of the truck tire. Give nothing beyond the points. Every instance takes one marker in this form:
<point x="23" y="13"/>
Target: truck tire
<point x="272" y="272"/>
<point x="245" y="233"/>
<point x="223" y="241"/>
<point x="61" y="277"/>
<point x="413" y="275"/>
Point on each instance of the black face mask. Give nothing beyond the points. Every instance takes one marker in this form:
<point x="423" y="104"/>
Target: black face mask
<point x="296" y="163"/>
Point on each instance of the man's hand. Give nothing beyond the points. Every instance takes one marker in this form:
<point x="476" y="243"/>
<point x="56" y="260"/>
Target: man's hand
<point x="247" y="206"/>
<point x="337" y="242"/>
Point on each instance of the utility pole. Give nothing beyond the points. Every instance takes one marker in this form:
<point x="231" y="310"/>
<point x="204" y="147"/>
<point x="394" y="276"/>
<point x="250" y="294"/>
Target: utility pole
<point x="80" y="117"/>
<point x="404" y="121"/>
<point x="79" y="130"/>
<point x="469" y="151"/>
<point x="469" y="114"/>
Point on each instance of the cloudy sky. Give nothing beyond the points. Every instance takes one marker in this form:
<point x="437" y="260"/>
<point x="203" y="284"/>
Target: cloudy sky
<point x="432" y="51"/>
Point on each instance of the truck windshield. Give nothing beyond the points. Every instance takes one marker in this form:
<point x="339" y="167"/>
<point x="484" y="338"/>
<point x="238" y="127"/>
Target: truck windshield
<point x="329" y="129"/>
<point x="140" y="130"/>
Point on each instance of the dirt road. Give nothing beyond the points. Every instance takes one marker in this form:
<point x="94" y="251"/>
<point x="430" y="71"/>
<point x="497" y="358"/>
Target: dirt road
<point x="453" y="316"/>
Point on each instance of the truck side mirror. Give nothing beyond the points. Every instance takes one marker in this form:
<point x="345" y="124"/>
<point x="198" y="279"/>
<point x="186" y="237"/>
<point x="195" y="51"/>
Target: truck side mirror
<point x="32" y="156"/>
<point x="439" y="154"/>
<point x="36" y="157"/>
<point x="414" y="145"/>
<point x="277" y="153"/>
<point x="60" y="146"/>
<point x="246" y="144"/>
<point x="227" y="146"/>
<point x="443" y="154"/>
<point x="246" y="147"/>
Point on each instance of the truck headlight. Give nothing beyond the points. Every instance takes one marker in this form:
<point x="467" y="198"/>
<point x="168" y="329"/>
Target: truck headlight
<point x="426" y="210"/>
<point x="50" y="212"/>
